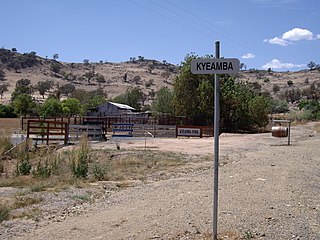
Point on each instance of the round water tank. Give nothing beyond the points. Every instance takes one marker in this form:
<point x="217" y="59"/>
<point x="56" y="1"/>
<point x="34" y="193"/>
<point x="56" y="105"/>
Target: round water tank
<point x="279" y="131"/>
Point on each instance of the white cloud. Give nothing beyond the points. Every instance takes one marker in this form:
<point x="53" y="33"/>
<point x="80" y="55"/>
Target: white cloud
<point x="295" y="34"/>
<point x="277" y="41"/>
<point x="277" y="64"/>
<point x="248" y="55"/>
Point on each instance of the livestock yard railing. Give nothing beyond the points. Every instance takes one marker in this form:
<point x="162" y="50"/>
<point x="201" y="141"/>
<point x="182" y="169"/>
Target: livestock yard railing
<point x="139" y="130"/>
<point x="107" y="121"/>
<point x="69" y="120"/>
<point x="56" y="131"/>
<point x="45" y="131"/>
<point x="93" y="132"/>
<point x="122" y="129"/>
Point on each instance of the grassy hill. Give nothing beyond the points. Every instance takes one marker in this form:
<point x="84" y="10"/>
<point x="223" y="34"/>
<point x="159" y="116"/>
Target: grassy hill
<point x="149" y="75"/>
<point x="113" y="78"/>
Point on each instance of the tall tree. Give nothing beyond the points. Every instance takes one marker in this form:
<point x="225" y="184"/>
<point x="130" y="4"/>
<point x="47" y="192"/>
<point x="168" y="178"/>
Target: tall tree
<point x="72" y="107"/>
<point x="2" y="75"/>
<point x="241" y="106"/>
<point x="133" y="97"/>
<point x="52" y="107"/>
<point x="164" y="101"/>
<point x="67" y="88"/>
<point x="22" y="86"/>
<point x="23" y="104"/>
<point x="55" y="68"/>
<point x="7" y="111"/>
<point x="3" y="88"/>
<point x="55" y="56"/>
<point x="44" y="86"/>
<point x="186" y="92"/>
<point x="312" y="65"/>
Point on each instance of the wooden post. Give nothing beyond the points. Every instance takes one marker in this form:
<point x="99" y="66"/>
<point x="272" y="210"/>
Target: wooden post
<point x="48" y="132"/>
<point x="66" y="133"/>
<point x="28" y="128"/>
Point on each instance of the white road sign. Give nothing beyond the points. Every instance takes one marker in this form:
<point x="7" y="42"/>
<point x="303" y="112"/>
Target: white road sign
<point x="215" y="66"/>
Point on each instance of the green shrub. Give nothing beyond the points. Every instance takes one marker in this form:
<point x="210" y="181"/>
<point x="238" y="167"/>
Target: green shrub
<point x="23" y="164"/>
<point x="279" y="106"/>
<point x="311" y="109"/>
<point x="80" y="160"/>
<point x="42" y="170"/>
<point x="98" y="172"/>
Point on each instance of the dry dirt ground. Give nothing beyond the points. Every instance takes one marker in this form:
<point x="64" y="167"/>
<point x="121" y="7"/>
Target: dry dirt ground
<point x="267" y="190"/>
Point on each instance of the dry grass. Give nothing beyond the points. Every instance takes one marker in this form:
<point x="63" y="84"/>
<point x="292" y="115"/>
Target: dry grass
<point x="136" y="165"/>
<point x="24" y="201"/>
<point x="17" y="207"/>
<point x="317" y="127"/>
<point x="123" y="166"/>
<point x="112" y="165"/>
<point x="5" y="145"/>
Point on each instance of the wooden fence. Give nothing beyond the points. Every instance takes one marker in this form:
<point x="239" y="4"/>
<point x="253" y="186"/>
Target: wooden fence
<point x="93" y="132"/>
<point x="87" y="120"/>
<point x="45" y="131"/>
<point x="139" y="130"/>
<point x="107" y="121"/>
<point x="56" y="131"/>
<point x="69" y="120"/>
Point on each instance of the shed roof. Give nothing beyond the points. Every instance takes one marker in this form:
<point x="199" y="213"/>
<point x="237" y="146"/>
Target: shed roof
<point x="122" y="106"/>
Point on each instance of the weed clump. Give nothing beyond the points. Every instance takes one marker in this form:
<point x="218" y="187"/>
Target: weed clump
<point x="42" y="170"/>
<point x="80" y="158"/>
<point x="23" y="164"/>
<point x="98" y="172"/>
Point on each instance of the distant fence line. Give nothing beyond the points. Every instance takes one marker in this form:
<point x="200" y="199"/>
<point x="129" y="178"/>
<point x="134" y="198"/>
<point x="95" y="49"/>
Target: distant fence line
<point x="107" y="121"/>
<point x="57" y="131"/>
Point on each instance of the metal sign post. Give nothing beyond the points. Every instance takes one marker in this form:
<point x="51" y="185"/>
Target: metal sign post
<point x="215" y="66"/>
<point x="216" y="147"/>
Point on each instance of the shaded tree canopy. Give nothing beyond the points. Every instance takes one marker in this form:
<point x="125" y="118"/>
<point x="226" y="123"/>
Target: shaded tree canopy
<point x="3" y="88"/>
<point x="44" y="86"/>
<point x="52" y="107"/>
<point x="164" y="101"/>
<point x="7" y="111"/>
<point x="242" y="106"/>
<point x="72" y="107"/>
<point x="23" y="104"/>
<point x="2" y="75"/>
<point x="22" y="86"/>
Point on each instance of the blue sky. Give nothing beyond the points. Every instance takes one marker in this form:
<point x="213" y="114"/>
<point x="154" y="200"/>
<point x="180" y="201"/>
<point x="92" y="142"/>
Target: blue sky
<point x="281" y="34"/>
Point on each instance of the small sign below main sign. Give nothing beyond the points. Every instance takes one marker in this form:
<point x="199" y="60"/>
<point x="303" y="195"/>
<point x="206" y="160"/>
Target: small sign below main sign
<point x="215" y="66"/>
<point x="188" y="131"/>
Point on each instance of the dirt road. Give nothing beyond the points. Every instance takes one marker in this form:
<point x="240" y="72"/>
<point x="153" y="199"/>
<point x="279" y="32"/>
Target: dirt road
<point x="268" y="190"/>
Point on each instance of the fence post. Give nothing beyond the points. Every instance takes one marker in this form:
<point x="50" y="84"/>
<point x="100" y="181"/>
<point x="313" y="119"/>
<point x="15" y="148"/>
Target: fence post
<point x="66" y="133"/>
<point x="28" y="128"/>
<point x="21" y="123"/>
<point x="48" y="132"/>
